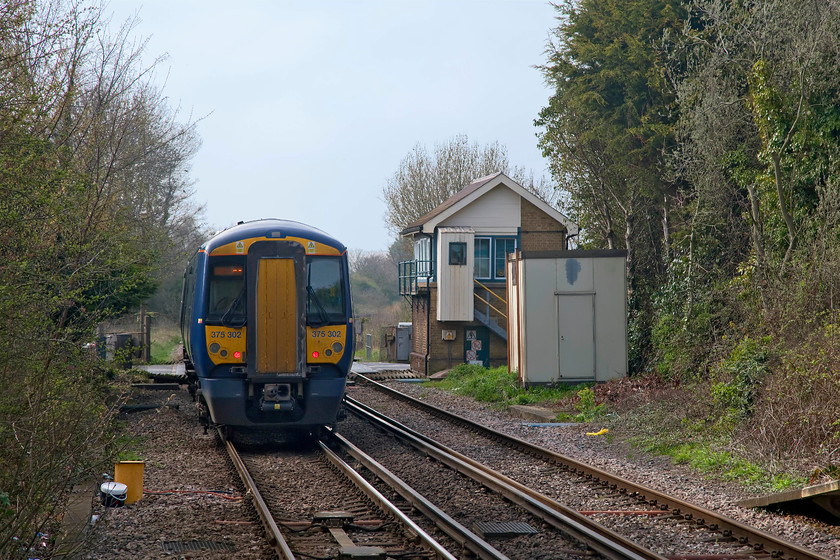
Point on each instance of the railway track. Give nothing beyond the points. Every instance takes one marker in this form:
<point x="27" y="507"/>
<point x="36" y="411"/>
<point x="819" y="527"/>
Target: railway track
<point x="314" y="505"/>
<point x="339" y="514"/>
<point x="515" y="521"/>
<point x="683" y="530"/>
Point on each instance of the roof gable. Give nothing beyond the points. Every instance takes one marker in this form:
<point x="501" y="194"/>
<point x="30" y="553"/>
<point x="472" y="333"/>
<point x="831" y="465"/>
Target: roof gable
<point x="474" y="191"/>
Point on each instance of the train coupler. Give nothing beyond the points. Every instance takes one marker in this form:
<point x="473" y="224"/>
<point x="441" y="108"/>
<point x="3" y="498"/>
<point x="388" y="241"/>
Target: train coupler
<point x="276" y="397"/>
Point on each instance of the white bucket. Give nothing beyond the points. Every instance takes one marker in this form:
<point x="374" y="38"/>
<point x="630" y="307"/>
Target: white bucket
<point x="112" y="494"/>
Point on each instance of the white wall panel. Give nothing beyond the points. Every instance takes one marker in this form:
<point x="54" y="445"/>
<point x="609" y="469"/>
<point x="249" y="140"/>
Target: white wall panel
<point x="498" y="211"/>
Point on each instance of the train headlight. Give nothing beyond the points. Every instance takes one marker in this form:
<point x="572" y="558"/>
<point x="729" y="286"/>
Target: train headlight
<point x="337" y="347"/>
<point x="237" y="355"/>
<point x="316" y="354"/>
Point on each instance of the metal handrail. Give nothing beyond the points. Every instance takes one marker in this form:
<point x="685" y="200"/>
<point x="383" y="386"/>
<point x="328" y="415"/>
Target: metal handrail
<point x="503" y="314"/>
<point x="409" y="273"/>
<point x="487" y="303"/>
<point x="491" y="291"/>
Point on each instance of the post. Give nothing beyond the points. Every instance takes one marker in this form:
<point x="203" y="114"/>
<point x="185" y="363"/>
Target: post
<point x="147" y="339"/>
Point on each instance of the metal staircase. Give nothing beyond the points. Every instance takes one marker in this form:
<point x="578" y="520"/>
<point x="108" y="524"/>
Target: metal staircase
<point x="484" y="317"/>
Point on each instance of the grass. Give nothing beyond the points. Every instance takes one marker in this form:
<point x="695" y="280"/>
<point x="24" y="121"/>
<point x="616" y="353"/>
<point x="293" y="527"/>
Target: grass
<point x="498" y="386"/>
<point x="163" y="347"/>
<point x="374" y="355"/>
<point x="166" y="337"/>
<point x="127" y="447"/>
<point x="702" y="457"/>
<point x="707" y="451"/>
<point x="653" y="429"/>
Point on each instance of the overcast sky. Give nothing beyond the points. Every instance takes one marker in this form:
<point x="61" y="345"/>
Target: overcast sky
<point x="311" y="105"/>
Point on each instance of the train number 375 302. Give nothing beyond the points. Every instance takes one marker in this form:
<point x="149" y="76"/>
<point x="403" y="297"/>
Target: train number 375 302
<point x="326" y="334"/>
<point x="225" y="334"/>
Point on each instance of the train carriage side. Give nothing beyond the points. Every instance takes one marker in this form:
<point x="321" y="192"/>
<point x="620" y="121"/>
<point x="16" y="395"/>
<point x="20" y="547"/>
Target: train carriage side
<point x="267" y="325"/>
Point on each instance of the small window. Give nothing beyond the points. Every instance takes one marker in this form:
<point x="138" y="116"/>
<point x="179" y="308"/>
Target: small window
<point x="458" y="253"/>
<point x="423" y="256"/>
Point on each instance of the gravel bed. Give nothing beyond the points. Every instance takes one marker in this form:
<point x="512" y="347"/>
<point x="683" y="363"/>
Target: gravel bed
<point x="615" y="456"/>
<point x="178" y="457"/>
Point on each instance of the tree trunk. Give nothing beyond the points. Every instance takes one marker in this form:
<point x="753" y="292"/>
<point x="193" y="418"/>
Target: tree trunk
<point x="690" y="271"/>
<point x="783" y="208"/>
<point x="758" y="245"/>
<point x="666" y="231"/>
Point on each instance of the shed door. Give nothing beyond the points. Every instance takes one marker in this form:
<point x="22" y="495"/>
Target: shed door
<point x="276" y="316"/>
<point x="576" y="336"/>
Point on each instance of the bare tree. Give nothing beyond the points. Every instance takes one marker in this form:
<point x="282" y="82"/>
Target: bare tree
<point x="423" y="180"/>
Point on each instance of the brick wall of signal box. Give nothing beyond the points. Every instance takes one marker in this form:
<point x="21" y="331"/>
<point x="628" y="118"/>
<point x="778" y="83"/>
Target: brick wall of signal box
<point x="539" y="231"/>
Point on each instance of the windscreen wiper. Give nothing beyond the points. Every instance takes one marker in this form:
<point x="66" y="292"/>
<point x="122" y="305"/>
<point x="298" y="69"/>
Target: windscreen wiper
<point x="227" y="318"/>
<point x="321" y="311"/>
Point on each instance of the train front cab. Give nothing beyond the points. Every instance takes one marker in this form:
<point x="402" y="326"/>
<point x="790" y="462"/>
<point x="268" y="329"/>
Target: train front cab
<point x="277" y="333"/>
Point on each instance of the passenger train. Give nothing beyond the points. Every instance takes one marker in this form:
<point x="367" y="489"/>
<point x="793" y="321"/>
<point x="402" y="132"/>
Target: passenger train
<point x="266" y="321"/>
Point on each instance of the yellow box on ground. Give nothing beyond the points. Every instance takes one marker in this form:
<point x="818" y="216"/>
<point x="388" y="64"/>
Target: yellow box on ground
<point x="130" y="473"/>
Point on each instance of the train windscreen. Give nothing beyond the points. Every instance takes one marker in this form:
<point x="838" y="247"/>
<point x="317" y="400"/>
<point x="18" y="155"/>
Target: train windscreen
<point x="226" y="304"/>
<point x="325" y="291"/>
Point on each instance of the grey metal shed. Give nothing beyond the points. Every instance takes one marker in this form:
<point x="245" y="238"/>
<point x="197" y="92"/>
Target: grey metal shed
<point x="404" y="332"/>
<point x="567" y="316"/>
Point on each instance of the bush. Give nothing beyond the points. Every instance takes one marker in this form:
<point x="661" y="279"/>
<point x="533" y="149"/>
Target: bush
<point x="586" y="406"/>
<point x="738" y="378"/>
<point x="55" y="433"/>
<point x="486" y="385"/>
<point x="796" y="420"/>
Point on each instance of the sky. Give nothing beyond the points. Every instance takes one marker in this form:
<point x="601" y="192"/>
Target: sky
<point x="307" y="108"/>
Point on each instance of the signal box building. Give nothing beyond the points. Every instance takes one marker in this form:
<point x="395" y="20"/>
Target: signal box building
<point x="456" y="281"/>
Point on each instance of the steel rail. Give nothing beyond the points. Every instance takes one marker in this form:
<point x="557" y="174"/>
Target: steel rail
<point x="568" y="521"/>
<point x="376" y="497"/>
<point x="456" y="531"/>
<point x="760" y="540"/>
<point x="275" y="537"/>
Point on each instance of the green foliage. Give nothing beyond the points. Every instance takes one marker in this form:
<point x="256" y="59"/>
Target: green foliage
<point x="606" y="131"/>
<point x="662" y="430"/>
<point x="5" y="505"/>
<point x="586" y="406"/>
<point x="94" y="190"/>
<point x="738" y="379"/>
<point x="708" y="136"/>
<point x="124" y="447"/>
<point x="705" y="459"/>
<point x="498" y="386"/>
<point x="162" y="350"/>
<point x="485" y="385"/>
<point x="800" y="402"/>
<point x="373" y="281"/>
